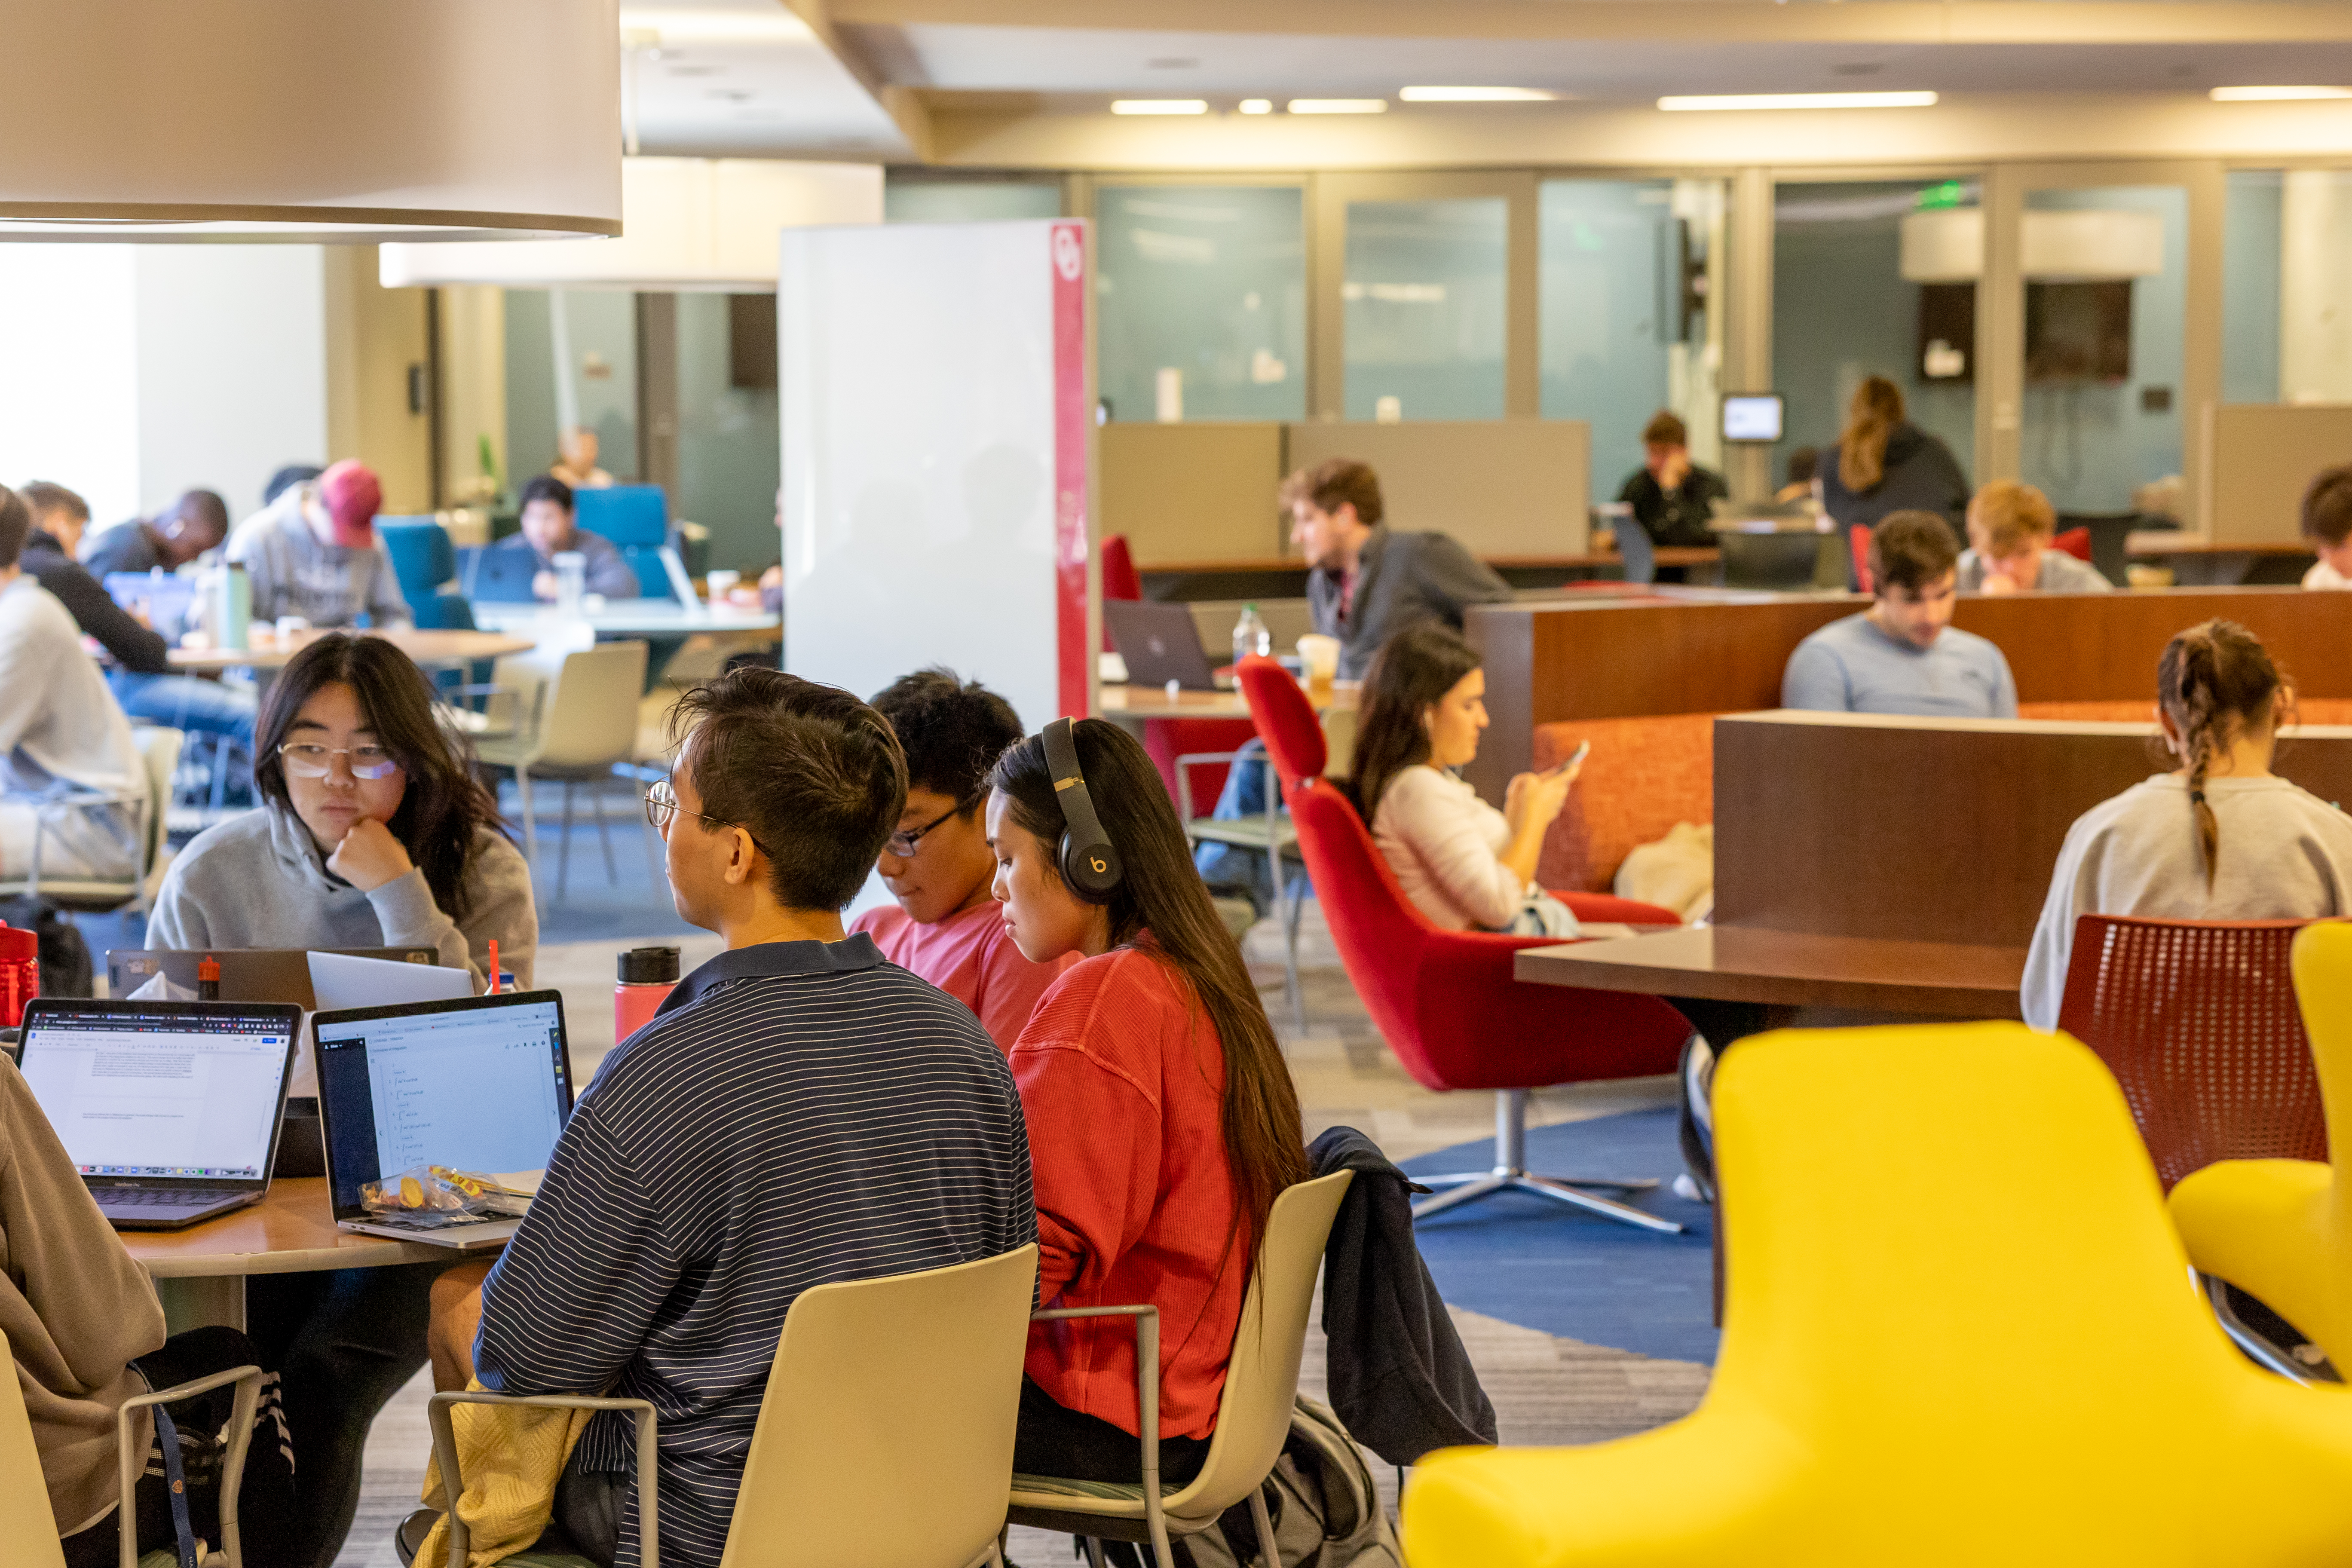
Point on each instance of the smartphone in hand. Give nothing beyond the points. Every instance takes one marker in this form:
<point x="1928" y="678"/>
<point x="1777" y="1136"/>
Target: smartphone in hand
<point x="1578" y="756"/>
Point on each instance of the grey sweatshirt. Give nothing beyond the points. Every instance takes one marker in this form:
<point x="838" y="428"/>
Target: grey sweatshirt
<point x="258" y="880"/>
<point x="327" y="585"/>
<point x="57" y="719"/>
<point x="2282" y="854"/>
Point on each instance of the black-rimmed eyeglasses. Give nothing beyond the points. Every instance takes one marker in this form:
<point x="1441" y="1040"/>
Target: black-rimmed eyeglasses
<point x="904" y="845"/>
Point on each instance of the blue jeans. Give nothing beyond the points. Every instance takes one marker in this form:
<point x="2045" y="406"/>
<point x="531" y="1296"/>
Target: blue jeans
<point x="185" y="702"/>
<point x="1235" y="872"/>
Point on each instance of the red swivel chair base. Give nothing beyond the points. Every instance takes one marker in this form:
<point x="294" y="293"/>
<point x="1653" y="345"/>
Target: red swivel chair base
<point x="1511" y="1175"/>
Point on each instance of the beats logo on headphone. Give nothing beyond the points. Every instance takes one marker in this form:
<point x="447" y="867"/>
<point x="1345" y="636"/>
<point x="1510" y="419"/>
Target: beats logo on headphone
<point x="1089" y="864"/>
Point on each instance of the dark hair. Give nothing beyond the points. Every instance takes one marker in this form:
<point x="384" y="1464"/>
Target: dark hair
<point x="1413" y="670"/>
<point x="812" y="774"/>
<point x="1162" y="908"/>
<point x="546" y="486"/>
<point x="445" y="808"/>
<point x="1876" y="410"/>
<point x="2215" y="680"/>
<point x="1910" y="550"/>
<point x="15" y="526"/>
<point x="286" y="477"/>
<point x="951" y="730"/>
<point x="1336" y="482"/>
<point x="206" y="511"/>
<point x="1803" y="464"/>
<point x="2328" y="506"/>
<point x="44" y="497"/>
<point x="1665" y="428"/>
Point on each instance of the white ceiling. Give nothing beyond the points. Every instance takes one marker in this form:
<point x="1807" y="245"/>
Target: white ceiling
<point x="743" y="77"/>
<point x="1064" y="61"/>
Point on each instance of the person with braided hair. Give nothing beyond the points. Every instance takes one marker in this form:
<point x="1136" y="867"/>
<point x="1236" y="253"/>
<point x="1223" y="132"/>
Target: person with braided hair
<point x="2220" y="838"/>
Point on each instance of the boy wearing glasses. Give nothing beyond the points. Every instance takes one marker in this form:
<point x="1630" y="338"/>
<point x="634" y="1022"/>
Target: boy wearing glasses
<point x="945" y="927"/>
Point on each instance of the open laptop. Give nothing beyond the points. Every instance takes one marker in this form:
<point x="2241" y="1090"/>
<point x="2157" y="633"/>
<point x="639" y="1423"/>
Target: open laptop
<point x="499" y="576"/>
<point x="247" y="974"/>
<point x="342" y="980"/>
<point x="483" y="1085"/>
<point x="1160" y="643"/>
<point x="170" y="1110"/>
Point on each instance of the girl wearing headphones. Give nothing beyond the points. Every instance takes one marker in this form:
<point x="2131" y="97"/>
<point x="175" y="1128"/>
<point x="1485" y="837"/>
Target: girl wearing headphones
<point x="1163" y="1120"/>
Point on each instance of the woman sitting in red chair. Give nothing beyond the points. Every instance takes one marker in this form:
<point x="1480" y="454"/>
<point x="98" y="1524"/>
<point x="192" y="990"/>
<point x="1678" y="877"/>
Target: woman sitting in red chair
<point x="1162" y="1122"/>
<point x="1464" y="864"/>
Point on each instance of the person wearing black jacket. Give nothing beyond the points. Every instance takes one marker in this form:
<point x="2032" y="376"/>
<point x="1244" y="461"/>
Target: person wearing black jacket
<point x="1883" y="464"/>
<point x="142" y="678"/>
<point x="1671" y="496"/>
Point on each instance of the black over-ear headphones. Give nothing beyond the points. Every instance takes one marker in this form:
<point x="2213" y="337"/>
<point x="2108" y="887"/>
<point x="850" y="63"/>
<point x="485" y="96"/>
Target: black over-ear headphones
<point x="1090" y="865"/>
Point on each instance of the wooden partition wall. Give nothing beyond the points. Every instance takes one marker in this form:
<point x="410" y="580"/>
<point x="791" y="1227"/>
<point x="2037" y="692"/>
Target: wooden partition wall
<point x="1548" y="661"/>
<point x="1924" y="829"/>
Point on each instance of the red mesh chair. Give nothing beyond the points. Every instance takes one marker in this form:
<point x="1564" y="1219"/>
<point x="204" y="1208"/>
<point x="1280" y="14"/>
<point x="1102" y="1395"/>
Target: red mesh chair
<point x="2075" y="541"/>
<point x="1446" y="1001"/>
<point x="2198" y="1021"/>
<point x="1120" y="580"/>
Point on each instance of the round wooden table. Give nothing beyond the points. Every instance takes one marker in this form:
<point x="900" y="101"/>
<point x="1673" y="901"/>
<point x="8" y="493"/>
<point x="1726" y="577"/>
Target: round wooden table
<point x="426" y="647"/>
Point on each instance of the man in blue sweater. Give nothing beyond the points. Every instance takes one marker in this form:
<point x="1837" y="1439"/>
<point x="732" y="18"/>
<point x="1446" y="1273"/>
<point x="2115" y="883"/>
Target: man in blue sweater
<point x="1903" y="655"/>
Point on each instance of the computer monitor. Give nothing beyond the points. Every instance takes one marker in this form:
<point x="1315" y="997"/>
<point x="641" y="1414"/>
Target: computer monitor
<point x="169" y="1091"/>
<point x="1752" y="416"/>
<point x="483" y="1085"/>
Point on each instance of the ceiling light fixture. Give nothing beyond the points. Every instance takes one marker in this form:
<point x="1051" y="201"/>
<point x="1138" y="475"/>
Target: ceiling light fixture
<point x="1477" y="95"/>
<point x="1159" y="106"/>
<point x="2276" y="94"/>
<point x="1257" y="106"/>
<point x="333" y="124"/>
<point x="1739" y="100"/>
<point x="1338" y="106"/>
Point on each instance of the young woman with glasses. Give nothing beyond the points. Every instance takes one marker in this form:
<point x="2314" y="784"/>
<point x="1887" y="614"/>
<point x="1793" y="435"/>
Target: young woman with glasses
<point x="372" y="832"/>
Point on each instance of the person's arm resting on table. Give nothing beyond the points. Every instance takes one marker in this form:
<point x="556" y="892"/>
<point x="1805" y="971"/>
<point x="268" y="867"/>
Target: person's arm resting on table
<point x="1816" y="680"/>
<point x="609" y="572"/>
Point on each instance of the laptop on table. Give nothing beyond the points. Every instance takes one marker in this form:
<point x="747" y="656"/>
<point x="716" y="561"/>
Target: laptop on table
<point x="171" y="1110"/>
<point x="481" y="1084"/>
<point x="1160" y="643"/>
<point x="246" y="973"/>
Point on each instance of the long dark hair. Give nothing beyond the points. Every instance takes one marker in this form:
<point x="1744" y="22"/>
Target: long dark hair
<point x="1876" y="410"/>
<point x="1162" y="908"/>
<point x="1414" y="668"/>
<point x="2215" y="680"/>
<point x="445" y="806"/>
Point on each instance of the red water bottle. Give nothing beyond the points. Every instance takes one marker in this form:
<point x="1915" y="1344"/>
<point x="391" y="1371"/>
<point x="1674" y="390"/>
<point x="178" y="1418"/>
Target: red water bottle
<point x="647" y="975"/>
<point x="20" y="974"/>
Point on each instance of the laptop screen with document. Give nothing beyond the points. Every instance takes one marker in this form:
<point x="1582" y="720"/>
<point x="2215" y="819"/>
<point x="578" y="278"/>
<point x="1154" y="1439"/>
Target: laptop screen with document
<point x="482" y="1084"/>
<point x="163" y="1091"/>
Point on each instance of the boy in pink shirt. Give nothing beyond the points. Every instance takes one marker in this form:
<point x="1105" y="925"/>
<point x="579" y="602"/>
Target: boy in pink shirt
<point x="946" y="927"/>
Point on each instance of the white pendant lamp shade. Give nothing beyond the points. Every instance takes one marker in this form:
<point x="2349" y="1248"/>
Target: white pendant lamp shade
<point x="309" y="120"/>
<point x="687" y="224"/>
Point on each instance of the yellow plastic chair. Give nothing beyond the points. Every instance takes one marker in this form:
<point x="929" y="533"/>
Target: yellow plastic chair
<point x="2279" y="1229"/>
<point x="884" y="1435"/>
<point x="1959" y="1332"/>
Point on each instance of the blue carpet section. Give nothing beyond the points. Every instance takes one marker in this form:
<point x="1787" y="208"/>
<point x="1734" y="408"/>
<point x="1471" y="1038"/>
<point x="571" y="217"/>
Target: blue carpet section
<point x="1532" y="1262"/>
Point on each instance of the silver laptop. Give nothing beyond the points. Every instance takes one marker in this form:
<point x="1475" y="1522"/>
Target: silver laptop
<point x="1160" y="643"/>
<point x="481" y="1084"/>
<point x="171" y="1110"/>
<point x="246" y="973"/>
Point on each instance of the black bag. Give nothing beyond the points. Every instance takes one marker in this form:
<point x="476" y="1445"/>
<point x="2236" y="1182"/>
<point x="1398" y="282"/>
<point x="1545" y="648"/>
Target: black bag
<point x="65" y="956"/>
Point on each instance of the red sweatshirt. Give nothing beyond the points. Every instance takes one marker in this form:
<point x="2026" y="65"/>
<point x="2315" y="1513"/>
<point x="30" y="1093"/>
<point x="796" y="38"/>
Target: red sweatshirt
<point x="1122" y="1078"/>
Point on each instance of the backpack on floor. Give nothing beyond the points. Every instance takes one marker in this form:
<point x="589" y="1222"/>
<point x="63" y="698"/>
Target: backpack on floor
<point x="1326" y="1513"/>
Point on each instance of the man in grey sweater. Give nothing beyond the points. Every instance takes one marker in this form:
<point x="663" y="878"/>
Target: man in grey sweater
<point x="65" y="753"/>
<point x="314" y="552"/>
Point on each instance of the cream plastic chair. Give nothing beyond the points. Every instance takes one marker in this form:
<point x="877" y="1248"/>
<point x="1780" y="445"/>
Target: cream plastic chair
<point x="570" y="716"/>
<point x="886" y="1434"/>
<point x="28" y="1531"/>
<point x="159" y="754"/>
<point x="1253" y="1413"/>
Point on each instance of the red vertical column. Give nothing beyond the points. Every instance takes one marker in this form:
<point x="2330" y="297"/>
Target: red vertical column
<point x="1072" y="428"/>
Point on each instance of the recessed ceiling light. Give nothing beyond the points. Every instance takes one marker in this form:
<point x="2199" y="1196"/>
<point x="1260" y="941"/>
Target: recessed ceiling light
<point x="1798" y="100"/>
<point x="1257" y="106"/>
<point x="2276" y="94"/>
<point x="1159" y="106"/>
<point x="1338" y="106"/>
<point x="1477" y="95"/>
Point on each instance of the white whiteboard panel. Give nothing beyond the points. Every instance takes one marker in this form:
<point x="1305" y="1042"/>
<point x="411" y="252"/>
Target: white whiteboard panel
<point x="935" y="480"/>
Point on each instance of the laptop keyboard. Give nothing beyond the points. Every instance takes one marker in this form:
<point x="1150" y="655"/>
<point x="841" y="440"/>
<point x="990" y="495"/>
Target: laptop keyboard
<point x="162" y="1197"/>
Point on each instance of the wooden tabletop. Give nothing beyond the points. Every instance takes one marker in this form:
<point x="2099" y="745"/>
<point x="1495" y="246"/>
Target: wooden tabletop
<point x="1732" y="964"/>
<point x="1154" y="702"/>
<point x="1670" y="555"/>
<point x="2159" y="543"/>
<point x="291" y="1231"/>
<point x="424" y="646"/>
<point x="663" y="617"/>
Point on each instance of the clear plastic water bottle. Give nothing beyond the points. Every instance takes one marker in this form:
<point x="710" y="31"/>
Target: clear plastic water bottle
<point x="1250" y="635"/>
